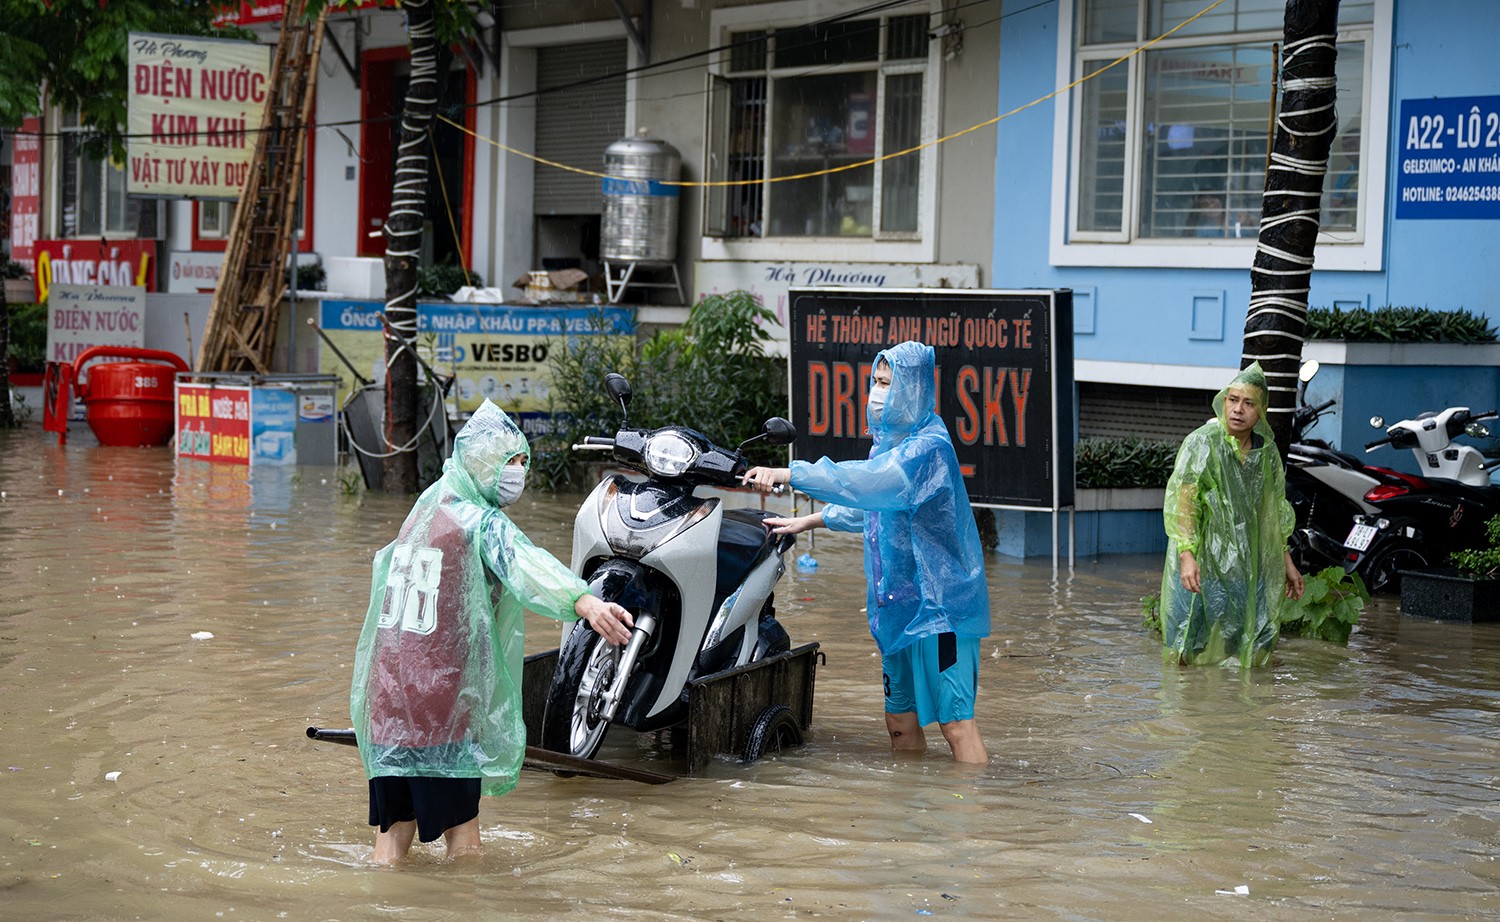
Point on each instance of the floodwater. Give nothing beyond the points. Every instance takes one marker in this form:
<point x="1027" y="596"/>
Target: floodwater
<point x="1344" y="783"/>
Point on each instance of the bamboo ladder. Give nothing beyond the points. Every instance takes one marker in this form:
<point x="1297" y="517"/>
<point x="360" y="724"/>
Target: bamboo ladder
<point x="241" y="329"/>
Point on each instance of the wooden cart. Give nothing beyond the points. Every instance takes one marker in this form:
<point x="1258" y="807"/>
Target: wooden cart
<point x="744" y="712"/>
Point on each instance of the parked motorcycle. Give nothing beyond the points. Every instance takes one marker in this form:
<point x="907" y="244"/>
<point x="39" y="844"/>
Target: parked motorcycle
<point x="1328" y="488"/>
<point x="1419" y="522"/>
<point x="698" y="578"/>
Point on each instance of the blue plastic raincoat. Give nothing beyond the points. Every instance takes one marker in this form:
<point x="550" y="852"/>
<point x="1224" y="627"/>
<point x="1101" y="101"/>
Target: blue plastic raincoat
<point x="923" y="560"/>
<point x="1232" y="513"/>
<point x="437" y="673"/>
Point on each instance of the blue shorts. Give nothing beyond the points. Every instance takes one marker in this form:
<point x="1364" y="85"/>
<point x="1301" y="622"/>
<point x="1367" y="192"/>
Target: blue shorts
<point x="936" y="677"/>
<point x="437" y="804"/>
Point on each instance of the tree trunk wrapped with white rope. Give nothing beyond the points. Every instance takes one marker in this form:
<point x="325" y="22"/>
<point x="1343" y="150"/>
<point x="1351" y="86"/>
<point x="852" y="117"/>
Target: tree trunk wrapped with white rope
<point x="1276" y="321"/>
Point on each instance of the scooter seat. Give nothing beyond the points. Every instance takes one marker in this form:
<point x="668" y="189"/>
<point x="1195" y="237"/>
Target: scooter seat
<point x="744" y="541"/>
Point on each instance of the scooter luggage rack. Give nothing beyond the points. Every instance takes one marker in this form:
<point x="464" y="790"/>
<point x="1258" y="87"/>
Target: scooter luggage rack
<point x="743" y="712"/>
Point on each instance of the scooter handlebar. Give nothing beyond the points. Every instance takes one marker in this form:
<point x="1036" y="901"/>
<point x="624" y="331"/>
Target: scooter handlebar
<point x="1371" y="446"/>
<point x="594" y="443"/>
<point x="1305" y="415"/>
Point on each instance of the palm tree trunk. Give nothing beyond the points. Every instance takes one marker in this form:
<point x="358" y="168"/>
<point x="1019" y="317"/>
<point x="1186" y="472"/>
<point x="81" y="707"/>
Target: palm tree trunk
<point x="1291" y="208"/>
<point x="403" y="232"/>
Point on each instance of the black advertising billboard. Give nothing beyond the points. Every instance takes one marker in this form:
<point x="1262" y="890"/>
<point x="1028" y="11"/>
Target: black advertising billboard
<point x="1004" y="380"/>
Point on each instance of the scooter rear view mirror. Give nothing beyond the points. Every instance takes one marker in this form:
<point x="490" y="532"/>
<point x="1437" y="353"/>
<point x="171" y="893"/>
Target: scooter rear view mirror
<point x="618" y="389"/>
<point x="1477" y="431"/>
<point x="1308" y="370"/>
<point x="776" y="431"/>
<point x="779" y="431"/>
<point x="1377" y="422"/>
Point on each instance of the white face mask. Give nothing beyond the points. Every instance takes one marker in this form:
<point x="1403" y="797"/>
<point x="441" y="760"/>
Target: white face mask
<point x="512" y="482"/>
<point x="878" y="393"/>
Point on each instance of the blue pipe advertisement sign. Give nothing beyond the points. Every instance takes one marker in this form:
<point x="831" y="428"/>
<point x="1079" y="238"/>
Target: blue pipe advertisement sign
<point x="494" y="351"/>
<point x="1448" y="164"/>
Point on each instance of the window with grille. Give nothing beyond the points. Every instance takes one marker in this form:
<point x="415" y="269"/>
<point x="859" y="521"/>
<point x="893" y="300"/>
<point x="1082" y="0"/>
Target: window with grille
<point x="823" y="102"/>
<point x="1171" y="144"/>
<point x="91" y="190"/>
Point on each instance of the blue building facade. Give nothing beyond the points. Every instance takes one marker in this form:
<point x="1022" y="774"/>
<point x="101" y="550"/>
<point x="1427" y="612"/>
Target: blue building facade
<point x="1100" y="188"/>
<point x="1139" y="188"/>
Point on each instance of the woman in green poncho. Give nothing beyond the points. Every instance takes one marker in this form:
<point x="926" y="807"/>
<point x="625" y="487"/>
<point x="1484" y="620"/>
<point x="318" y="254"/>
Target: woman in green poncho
<point x="1227" y="521"/>
<point x="436" y="693"/>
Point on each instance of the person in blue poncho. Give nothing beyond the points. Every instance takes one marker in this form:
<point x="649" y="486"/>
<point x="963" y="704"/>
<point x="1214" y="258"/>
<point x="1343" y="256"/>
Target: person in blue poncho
<point x="928" y="603"/>
<point x="436" y="691"/>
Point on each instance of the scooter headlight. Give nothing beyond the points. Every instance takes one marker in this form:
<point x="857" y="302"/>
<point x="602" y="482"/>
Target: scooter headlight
<point x="668" y="454"/>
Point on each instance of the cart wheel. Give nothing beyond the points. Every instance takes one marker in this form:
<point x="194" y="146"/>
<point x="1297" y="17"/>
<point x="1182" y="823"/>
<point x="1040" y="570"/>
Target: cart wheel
<point x="774" y="729"/>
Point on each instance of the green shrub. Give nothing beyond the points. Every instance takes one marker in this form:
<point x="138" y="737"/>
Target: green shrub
<point x="712" y="374"/>
<point x="444" y="278"/>
<point x="1330" y="605"/>
<point x="28" y="337"/>
<point x="1398" y="325"/>
<point x="1101" y="462"/>
<point x="1483" y="562"/>
<point x="312" y="276"/>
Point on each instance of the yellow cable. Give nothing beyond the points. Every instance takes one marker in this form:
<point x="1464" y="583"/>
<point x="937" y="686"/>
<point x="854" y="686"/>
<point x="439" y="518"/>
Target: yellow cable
<point x="863" y="163"/>
<point x="458" y="240"/>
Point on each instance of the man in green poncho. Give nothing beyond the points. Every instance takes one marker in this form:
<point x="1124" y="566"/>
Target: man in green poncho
<point x="436" y="694"/>
<point x="1227" y="521"/>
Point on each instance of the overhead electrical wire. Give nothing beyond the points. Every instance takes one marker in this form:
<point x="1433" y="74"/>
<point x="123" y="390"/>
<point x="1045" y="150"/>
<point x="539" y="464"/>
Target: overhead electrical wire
<point x="656" y="67"/>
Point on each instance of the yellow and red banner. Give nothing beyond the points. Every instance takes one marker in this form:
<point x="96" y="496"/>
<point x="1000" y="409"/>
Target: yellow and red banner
<point x="213" y="423"/>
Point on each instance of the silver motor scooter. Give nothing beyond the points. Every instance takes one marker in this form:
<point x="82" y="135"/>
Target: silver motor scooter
<point x="697" y="577"/>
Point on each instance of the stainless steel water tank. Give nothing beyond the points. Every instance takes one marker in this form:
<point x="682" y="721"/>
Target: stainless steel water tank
<point x="640" y="211"/>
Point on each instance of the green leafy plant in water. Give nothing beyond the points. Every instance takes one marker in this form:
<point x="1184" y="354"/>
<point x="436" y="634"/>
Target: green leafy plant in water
<point x="1151" y="612"/>
<point x="1329" y="608"/>
<point x="1482" y="562"/>
<point x="351" y="482"/>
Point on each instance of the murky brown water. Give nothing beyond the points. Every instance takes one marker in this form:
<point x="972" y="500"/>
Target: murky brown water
<point x="1343" y="783"/>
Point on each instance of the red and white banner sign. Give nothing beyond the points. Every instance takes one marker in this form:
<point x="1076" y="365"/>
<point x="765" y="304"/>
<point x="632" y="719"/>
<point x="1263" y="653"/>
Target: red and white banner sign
<point x="26" y="192"/>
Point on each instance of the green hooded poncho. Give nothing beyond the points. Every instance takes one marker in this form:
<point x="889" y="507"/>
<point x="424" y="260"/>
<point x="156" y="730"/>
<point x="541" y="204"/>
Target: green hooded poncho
<point x="1232" y="513"/>
<point x="437" y="674"/>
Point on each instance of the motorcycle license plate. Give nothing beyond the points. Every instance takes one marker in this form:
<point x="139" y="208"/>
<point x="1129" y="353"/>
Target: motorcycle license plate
<point x="1360" y="537"/>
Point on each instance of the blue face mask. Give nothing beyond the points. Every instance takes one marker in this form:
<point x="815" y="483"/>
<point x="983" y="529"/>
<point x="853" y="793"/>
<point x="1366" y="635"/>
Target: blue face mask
<point x="878" y="395"/>
<point x="511" y="484"/>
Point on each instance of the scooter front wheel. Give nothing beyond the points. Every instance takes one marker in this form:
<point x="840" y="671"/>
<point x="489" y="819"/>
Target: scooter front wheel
<point x="574" y="721"/>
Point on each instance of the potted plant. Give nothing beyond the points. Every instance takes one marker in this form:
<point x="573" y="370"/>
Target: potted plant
<point x="19" y="288"/>
<point x="1468" y="591"/>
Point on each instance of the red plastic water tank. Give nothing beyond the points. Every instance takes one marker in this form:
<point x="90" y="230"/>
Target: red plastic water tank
<point x="133" y="402"/>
